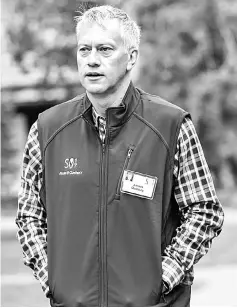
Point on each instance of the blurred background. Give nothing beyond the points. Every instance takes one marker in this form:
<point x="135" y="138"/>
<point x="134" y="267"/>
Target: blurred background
<point x="188" y="56"/>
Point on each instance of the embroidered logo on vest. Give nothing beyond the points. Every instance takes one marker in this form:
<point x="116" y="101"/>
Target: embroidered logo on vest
<point x="71" y="167"/>
<point x="70" y="163"/>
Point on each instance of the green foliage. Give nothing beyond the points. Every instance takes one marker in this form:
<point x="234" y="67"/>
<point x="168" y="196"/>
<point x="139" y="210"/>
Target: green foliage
<point x="42" y="36"/>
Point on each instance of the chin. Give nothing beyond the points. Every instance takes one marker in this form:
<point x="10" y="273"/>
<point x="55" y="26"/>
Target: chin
<point x="95" y="89"/>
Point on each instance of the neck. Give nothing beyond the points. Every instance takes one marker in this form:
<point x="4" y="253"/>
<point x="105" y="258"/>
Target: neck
<point x="101" y="102"/>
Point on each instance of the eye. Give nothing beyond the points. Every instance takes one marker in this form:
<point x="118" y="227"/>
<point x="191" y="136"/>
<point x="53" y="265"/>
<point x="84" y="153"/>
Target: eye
<point x="105" y="50"/>
<point x="84" y="51"/>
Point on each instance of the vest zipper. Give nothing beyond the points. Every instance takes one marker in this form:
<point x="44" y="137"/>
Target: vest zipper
<point x="129" y="154"/>
<point x="103" y="229"/>
<point x="103" y="300"/>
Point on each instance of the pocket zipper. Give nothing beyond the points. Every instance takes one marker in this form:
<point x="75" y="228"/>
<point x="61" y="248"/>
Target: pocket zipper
<point x="129" y="154"/>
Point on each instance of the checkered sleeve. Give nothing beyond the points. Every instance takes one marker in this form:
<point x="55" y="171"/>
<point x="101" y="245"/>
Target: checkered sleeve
<point x="31" y="214"/>
<point x="201" y="212"/>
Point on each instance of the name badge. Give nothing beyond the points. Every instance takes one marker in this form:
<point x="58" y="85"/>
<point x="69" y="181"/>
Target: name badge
<point x="138" y="184"/>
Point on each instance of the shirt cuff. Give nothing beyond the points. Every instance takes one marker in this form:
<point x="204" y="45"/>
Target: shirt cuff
<point x="42" y="276"/>
<point x="172" y="273"/>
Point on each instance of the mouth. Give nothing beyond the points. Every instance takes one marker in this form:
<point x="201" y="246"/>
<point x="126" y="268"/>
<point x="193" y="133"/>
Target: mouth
<point x="94" y="75"/>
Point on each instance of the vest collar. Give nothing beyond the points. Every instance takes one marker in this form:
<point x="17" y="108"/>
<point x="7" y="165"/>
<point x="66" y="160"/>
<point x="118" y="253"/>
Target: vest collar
<point x="115" y="116"/>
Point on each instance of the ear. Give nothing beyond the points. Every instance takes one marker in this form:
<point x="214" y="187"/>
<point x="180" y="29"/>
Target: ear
<point x="132" y="58"/>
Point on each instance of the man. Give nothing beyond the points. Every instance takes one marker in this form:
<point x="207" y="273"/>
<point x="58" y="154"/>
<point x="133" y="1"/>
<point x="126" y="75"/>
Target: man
<point x="117" y="202"/>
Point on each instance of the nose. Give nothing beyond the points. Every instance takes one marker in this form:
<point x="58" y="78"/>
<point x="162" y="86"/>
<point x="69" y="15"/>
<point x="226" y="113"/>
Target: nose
<point x="93" y="58"/>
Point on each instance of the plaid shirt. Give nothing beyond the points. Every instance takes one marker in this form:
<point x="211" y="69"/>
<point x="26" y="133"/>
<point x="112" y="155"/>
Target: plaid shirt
<point x="100" y="124"/>
<point x="202" y="214"/>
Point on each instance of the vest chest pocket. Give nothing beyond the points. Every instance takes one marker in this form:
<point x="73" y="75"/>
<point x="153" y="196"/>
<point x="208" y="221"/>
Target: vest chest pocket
<point x="125" y="165"/>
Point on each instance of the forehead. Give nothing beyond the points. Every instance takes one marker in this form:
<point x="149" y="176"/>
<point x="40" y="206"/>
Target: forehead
<point x="92" y="32"/>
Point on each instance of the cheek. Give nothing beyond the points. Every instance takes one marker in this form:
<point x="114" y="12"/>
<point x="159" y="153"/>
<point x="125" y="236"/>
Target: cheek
<point x="122" y="62"/>
<point x="80" y="68"/>
<point x="79" y="62"/>
<point x="118" y="65"/>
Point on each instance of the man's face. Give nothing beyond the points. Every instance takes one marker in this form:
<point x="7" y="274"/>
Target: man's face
<point x="101" y="57"/>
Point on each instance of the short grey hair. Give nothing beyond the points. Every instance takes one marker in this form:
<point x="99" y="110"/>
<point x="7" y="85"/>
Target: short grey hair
<point x="130" y="31"/>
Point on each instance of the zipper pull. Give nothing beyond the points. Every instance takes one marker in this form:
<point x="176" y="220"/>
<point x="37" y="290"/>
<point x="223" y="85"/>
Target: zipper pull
<point x="130" y="152"/>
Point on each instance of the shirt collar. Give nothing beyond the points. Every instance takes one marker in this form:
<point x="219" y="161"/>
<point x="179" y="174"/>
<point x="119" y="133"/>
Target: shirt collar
<point x="97" y="118"/>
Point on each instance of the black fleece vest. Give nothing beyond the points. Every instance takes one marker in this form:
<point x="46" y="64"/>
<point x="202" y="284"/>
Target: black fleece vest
<point x="104" y="246"/>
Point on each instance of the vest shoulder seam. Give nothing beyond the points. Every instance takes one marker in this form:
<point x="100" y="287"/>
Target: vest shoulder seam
<point x="60" y="129"/>
<point x="155" y="131"/>
<point x="162" y="101"/>
<point x="176" y="138"/>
